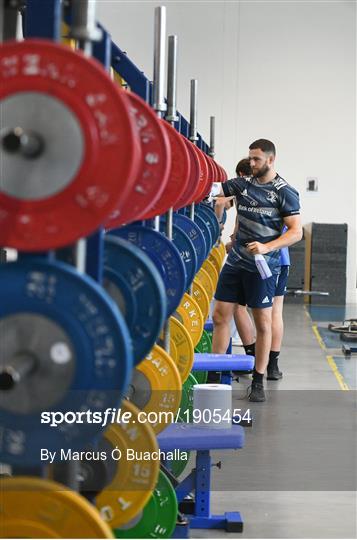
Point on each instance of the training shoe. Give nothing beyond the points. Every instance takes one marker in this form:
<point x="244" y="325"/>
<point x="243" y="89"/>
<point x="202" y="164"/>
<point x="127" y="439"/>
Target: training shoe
<point x="256" y="392"/>
<point x="274" y="374"/>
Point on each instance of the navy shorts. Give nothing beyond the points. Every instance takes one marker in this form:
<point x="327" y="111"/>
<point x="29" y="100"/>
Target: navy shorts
<point x="239" y="286"/>
<point x="282" y="281"/>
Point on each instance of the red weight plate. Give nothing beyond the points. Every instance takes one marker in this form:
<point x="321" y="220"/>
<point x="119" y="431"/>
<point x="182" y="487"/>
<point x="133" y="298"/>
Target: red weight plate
<point x="216" y="169"/>
<point x="212" y="168"/>
<point x="178" y="177"/>
<point x="188" y="196"/>
<point x="211" y="176"/>
<point x="91" y="150"/>
<point x="204" y="175"/>
<point x="223" y="174"/>
<point x="155" y="164"/>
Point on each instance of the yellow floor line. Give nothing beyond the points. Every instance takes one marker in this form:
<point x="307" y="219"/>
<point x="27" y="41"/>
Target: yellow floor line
<point x="330" y="360"/>
<point x="318" y="337"/>
<point x="337" y="374"/>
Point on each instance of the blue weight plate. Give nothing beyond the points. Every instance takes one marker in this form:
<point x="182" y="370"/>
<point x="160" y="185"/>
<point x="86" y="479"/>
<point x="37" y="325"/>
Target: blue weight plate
<point x="212" y="213"/>
<point x="68" y="341"/>
<point x="164" y="255"/>
<point x="211" y="221"/>
<point x="186" y="250"/>
<point x="135" y="284"/>
<point x="206" y="233"/>
<point x="204" y="225"/>
<point x="195" y="235"/>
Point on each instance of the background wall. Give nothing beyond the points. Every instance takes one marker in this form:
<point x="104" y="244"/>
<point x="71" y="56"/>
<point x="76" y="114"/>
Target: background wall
<point x="285" y="71"/>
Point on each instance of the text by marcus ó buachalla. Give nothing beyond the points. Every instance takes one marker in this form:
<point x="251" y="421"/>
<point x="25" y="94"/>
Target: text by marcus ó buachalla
<point x="116" y="454"/>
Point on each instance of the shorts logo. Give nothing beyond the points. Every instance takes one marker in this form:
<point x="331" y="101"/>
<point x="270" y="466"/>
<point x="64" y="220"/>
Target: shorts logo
<point x="266" y="300"/>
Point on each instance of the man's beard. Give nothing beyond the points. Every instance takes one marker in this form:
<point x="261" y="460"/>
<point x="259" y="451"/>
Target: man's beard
<point x="262" y="171"/>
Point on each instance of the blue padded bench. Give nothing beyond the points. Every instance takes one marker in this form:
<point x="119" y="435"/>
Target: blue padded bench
<point x="188" y="437"/>
<point x="226" y="363"/>
<point x="209" y="325"/>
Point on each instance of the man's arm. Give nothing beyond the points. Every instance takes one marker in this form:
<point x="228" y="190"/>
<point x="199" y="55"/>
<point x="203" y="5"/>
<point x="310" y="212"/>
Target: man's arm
<point x="228" y="188"/>
<point x="216" y="190"/>
<point x="290" y="237"/>
<point x="235" y="230"/>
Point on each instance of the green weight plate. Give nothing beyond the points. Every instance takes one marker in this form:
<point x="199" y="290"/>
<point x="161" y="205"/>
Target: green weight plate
<point x="205" y="344"/>
<point x="200" y="376"/>
<point x="158" y="518"/>
<point x="187" y="398"/>
<point x="177" y="466"/>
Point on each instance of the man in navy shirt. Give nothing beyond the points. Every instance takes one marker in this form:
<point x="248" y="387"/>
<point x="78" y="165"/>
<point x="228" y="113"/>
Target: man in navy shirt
<point x="265" y="203"/>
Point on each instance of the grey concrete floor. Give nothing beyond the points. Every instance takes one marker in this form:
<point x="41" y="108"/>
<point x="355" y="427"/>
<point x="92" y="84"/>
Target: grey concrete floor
<point x="296" y="475"/>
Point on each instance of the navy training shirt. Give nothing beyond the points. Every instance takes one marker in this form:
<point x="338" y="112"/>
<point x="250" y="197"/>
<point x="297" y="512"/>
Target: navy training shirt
<point x="261" y="209"/>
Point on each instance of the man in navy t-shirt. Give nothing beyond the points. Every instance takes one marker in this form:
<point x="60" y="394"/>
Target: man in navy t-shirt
<point x="265" y="203"/>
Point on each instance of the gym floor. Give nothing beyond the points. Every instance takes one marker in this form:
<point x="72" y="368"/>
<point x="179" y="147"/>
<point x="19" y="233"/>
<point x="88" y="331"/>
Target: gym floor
<point x="292" y="479"/>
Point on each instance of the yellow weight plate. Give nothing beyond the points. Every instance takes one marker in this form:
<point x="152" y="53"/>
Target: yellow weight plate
<point x="201" y="297"/>
<point x="159" y="373"/>
<point x="216" y="251"/>
<point x="118" y="79"/>
<point x="212" y="272"/>
<point x="37" y="508"/>
<point x="222" y="249"/>
<point x="173" y="350"/>
<point x="134" y="479"/>
<point x="181" y="348"/>
<point x="174" y="353"/>
<point x="189" y="313"/>
<point x="206" y="281"/>
<point x="215" y="259"/>
<point x="65" y="29"/>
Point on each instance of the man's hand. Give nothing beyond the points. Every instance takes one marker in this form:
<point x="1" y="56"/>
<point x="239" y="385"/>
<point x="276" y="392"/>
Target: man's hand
<point x="256" y="248"/>
<point x="229" y="246"/>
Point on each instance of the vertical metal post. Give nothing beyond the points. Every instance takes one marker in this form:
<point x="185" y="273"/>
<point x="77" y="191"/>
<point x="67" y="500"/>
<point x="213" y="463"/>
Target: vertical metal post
<point x="159" y="106"/>
<point x="8" y="19"/>
<point x="203" y="481"/>
<point x="212" y="136"/>
<point x="193" y="111"/>
<point x="84" y="30"/>
<point x="171" y="115"/>
<point x="159" y="60"/>
<point x="193" y="126"/>
<point x="193" y="136"/>
<point x="84" y="26"/>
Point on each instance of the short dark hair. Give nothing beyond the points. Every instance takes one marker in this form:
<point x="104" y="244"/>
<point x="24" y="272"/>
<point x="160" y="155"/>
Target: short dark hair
<point x="264" y="145"/>
<point x="243" y="167"/>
